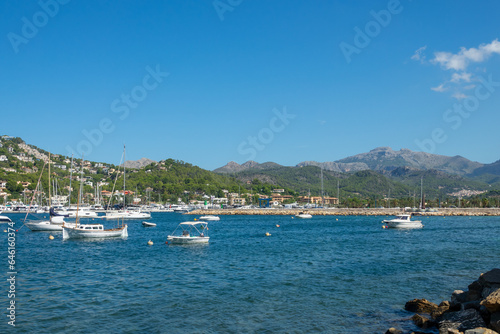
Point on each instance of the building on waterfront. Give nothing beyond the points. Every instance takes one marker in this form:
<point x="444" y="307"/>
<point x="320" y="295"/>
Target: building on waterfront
<point x="318" y="200"/>
<point x="281" y="198"/>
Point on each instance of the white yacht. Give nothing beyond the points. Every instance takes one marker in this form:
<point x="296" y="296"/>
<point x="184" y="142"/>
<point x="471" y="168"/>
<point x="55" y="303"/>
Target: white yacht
<point x="5" y="219"/>
<point x="210" y="218"/>
<point x="403" y="221"/>
<point x="303" y="215"/>
<point x="127" y="214"/>
<point x="81" y="212"/>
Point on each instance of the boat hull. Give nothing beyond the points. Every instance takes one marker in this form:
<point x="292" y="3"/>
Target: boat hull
<point x="183" y="240"/>
<point x="46" y="226"/>
<point x="76" y="233"/>
<point x="127" y="215"/>
<point x="5" y="219"/>
<point x="82" y="214"/>
<point x="303" y="216"/>
<point x="209" y="218"/>
<point x="403" y="224"/>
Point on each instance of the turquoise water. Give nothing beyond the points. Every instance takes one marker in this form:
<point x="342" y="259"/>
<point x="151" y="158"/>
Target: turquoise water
<point x="321" y="275"/>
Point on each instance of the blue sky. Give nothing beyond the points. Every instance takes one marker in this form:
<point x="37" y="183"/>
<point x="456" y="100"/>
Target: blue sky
<point x="287" y="81"/>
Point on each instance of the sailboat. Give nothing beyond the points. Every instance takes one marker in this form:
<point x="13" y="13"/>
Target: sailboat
<point x="126" y="213"/>
<point x="88" y="231"/>
<point x="55" y="222"/>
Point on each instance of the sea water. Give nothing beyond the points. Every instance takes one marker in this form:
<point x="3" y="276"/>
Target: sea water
<point x="328" y="274"/>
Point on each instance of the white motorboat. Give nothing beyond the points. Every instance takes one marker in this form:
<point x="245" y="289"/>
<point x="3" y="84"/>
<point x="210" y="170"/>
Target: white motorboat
<point x="403" y="221"/>
<point x="189" y="233"/>
<point x="210" y="218"/>
<point x="82" y="212"/>
<point x="303" y="215"/>
<point x="127" y="214"/>
<point x="181" y="209"/>
<point x="148" y="224"/>
<point x="88" y="231"/>
<point x="5" y="219"/>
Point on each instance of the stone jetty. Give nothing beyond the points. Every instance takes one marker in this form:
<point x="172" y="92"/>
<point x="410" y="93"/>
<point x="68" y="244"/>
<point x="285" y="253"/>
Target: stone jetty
<point x="475" y="311"/>
<point x="351" y="212"/>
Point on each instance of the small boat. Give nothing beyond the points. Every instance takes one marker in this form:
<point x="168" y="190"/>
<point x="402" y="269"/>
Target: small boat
<point x="85" y="231"/>
<point x="181" y="209"/>
<point x="303" y="215"/>
<point x="5" y="219"/>
<point x="403" y="221"/>
<point x="192" y="233"/>
<point x="210" y="218"/>
<point x="148" y="224"/>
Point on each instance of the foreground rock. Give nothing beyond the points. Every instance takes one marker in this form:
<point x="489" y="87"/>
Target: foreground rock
<point x="476" y="311"/>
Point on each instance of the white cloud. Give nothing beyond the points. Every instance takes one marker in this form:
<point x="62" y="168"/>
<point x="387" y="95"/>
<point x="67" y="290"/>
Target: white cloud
<point x="439" y="88"/>
<point x="419" y="56"/>
<point x="459" y="96"/>
<point x="461" y="60"/>
<point x="468" y="87"/>
<point x="457" y="77"/>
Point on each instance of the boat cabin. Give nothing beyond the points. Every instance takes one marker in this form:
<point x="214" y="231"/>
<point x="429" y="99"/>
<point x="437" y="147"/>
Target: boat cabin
<point x="91" y="227"/>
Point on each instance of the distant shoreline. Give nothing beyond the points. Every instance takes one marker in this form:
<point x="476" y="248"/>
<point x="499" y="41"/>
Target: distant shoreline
<point x="350" y="212"/>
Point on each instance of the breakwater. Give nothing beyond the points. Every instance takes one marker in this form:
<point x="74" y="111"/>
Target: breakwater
<point x="351" y="212"/>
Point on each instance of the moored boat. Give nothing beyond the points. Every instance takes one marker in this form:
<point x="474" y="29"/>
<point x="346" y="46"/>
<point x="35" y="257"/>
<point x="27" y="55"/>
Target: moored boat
<point x="5" y="219"/>
<point x="93" y="231"/>
<point x="209" y="218"/>
<point x="189" y="233"/>
<point x="303" y="215"/>
<point x="403" y="221"/>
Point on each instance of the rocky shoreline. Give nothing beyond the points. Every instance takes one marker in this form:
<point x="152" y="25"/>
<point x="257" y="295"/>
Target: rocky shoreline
<point x="350" y="212"/>
<point x="475" y="311"/>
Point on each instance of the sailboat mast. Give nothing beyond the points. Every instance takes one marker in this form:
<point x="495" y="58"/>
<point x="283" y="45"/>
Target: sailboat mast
<point x="421" y="192"/>
<point x="50" y="202"/>
<point x="80" y="195"/>
<point x="124" y="177"/>
<point x="70" y="178"/>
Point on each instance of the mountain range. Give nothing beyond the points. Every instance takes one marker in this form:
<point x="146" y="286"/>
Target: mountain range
<point x="378" y="172"/>
<point x="384" y="160"/>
